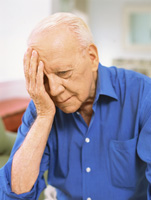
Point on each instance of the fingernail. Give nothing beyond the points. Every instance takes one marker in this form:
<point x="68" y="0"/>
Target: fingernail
<point x="34" y="53"/>
<point x="41" y="63"/>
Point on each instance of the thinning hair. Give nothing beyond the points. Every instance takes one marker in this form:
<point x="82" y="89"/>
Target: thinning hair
<point x="75" y="24"/>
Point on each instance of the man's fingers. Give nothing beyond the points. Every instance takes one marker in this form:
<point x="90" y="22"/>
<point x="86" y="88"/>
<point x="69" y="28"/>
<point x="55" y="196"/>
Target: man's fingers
<point x="26" y="62"/>
<point x="40" y="77"/>
<point x="30" y="69"/>
<point x="33" y="68"/>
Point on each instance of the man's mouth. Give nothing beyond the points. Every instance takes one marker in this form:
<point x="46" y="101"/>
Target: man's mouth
<point x="63" y="101"/>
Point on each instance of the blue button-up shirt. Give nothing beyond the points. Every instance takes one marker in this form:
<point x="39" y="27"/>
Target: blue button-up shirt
<point x="108" y="160"/>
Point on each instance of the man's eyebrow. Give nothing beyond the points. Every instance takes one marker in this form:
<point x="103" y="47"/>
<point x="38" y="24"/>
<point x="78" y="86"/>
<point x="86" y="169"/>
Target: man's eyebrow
<point x="64" y="67"/>
<point x="60" y="69"/>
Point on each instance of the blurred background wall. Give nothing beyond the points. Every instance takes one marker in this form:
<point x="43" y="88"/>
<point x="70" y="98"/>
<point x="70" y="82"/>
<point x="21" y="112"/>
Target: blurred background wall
<point x="17" y="19"/>
<point x="106" y="19"/>
<point x="107" y="23"/>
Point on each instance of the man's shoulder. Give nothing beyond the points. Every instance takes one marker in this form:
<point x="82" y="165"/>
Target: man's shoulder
<point x="128" y="76"/>
<point x="127" y="82"/>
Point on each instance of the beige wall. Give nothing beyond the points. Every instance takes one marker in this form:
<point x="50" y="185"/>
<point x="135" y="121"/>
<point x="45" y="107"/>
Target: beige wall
<point x="13" y="89"/>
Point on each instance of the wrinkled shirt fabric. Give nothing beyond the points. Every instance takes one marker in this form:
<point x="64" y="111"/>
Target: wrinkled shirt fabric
<point x="108" y="160"/>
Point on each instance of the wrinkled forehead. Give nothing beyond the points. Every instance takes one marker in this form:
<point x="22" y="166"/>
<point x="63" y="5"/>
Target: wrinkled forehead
<point x="57" y="49"/>
<point x="58" y="40"/>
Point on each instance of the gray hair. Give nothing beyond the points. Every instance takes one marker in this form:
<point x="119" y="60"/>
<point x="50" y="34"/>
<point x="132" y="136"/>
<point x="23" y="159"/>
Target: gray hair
<point x="75" y="24"/>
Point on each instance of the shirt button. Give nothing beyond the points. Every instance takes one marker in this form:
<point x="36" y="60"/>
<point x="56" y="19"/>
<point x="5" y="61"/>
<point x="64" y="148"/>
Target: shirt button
<point x="87" y="140"/>
<point x="88" y="169"/>
<point x="78" y="113"/>
<point x="89" y="198"/>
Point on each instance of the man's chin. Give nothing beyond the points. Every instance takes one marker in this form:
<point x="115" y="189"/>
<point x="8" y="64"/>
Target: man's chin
<point x="68" y="109"/>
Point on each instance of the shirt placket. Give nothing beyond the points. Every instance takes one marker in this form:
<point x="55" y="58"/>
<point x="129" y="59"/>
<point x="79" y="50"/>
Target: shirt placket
<point x="86" y="158"/>
<point x="87" y="168"/>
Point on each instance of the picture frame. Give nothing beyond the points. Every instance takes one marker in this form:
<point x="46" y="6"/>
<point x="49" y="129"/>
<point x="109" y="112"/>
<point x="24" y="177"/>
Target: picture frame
<point x="137" y="27"/>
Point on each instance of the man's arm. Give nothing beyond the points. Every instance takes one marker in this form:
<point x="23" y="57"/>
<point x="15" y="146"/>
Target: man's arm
<point x="26" y="161"/>
<point x="144" y="141"/>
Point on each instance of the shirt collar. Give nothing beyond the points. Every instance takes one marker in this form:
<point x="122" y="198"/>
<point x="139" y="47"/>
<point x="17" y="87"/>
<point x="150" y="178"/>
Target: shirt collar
<point x="104" y="83"/>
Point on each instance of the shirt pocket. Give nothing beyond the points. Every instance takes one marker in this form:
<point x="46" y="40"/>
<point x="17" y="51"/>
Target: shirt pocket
<point x="123" y="162"/>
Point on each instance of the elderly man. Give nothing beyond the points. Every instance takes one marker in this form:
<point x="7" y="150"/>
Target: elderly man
<point x="89" y="125"/>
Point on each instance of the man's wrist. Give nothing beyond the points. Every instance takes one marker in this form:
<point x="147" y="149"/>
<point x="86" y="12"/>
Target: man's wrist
<point x="45" y="118"/>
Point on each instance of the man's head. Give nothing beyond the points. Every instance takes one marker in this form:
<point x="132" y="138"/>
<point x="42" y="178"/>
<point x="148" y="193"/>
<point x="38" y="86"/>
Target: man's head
<point x="65" y="45"/>
<point x="75" y="24"/>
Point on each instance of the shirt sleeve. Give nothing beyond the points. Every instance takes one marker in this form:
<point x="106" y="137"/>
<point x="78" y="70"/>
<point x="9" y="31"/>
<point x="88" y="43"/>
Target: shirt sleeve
<point x="5" y="172"/>
<point x="144" y="141"/>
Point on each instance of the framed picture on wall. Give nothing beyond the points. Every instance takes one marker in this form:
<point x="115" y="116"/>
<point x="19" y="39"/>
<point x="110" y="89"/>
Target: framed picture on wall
<point x="137" y="27"/>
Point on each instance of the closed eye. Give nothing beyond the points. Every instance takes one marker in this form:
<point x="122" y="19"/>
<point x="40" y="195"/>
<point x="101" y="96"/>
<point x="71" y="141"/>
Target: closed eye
<point x="64" y="74"/>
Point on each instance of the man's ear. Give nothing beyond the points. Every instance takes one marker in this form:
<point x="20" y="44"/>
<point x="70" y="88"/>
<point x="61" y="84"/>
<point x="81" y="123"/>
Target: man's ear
<point x="93" y="55"/>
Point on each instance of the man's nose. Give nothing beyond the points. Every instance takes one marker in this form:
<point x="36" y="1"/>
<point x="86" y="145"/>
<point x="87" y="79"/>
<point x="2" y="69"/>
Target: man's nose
<point x="55" y="85"/>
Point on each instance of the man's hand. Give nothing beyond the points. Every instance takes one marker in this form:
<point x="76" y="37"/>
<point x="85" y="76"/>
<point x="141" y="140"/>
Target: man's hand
<point x="27" y="159"/>
<point x="34" y="75"/>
